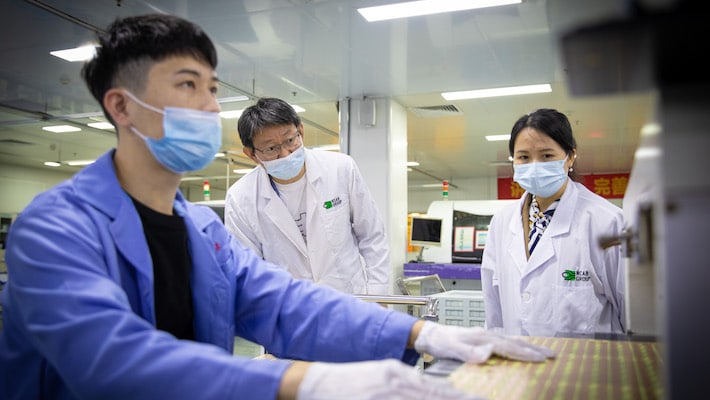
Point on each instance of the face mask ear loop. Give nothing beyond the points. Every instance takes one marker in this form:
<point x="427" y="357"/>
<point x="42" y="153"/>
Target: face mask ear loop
<point x="144" y="105"/>
<point x="571" y="167"/>
<point x="137" y="132"/>
<point x="139" y="101"/>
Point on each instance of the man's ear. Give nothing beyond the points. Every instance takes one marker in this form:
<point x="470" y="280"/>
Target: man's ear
<point x="117" y="106"/>
<point x="303" y="132"/>
<point x="249" y="152"/>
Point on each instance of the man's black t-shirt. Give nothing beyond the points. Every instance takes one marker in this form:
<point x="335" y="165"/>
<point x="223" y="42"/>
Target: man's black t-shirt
<point x="167" y="241"/>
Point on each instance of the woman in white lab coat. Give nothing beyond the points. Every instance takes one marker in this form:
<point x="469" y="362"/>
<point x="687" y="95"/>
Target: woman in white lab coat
<point x="544" y="272"/>
<point x="308" y="211"/>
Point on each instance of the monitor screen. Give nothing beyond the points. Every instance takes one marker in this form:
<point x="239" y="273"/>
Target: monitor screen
<point x="469" y="236"/>
<point x="426" y="231"/>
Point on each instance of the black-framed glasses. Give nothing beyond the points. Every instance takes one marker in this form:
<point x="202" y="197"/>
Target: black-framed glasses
<point x="289" y="144"/>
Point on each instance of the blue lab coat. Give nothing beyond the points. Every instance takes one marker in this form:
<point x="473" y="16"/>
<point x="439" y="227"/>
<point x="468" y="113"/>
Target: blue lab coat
<point x="79" y="316"/>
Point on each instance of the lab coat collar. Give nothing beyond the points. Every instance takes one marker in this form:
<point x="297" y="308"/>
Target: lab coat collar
<point x="564" y="213"/>
<point x="561" y="224"/>
<point x="313" y="167"/>
<point x="314" y="174"/>
<point x="516" y="244"/>
<point x="277" y="212"/>
<point x="98" y="186"/>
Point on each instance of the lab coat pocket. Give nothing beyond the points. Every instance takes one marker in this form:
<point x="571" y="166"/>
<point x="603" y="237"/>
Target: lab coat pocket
<point x="576" y="308"/>
<point x="218" y="240"/>
<point x="336" y="220"/>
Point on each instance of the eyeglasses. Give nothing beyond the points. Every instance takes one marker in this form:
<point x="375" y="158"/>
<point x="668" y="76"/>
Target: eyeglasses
<point x="289" y="144"/>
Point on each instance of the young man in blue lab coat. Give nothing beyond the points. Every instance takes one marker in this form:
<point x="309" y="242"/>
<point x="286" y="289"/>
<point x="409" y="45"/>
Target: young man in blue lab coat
<point x="120" y="288"/>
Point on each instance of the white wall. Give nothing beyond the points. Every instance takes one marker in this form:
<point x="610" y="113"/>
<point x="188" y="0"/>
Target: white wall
<point x="379" y="147"/>
<point x="468" y="189"/>
<point x="19" y="185"/>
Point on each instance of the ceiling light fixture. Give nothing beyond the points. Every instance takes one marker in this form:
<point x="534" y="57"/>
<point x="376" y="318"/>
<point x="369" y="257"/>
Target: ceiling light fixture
<point x="101" y="125"/>
<point x="496" y="92"/>
<point x="426" y="7"/>
<point x="79" y="163"/>
<point x="61" y="128"/>
<point x="52" y="164"/>
<point x="242" y="170"/>
<point x="81" y="53"/>
<point x="231" y="114"/>
<point x="497" y="138"/>
<point x="412" y="164"/>
<point x="233" y="99"/>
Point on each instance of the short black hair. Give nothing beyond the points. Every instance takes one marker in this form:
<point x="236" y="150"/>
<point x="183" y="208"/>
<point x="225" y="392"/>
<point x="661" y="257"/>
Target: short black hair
<point x="548" y="121"/>
<point x="267" y="112"/>
<point x="131" y="45"/>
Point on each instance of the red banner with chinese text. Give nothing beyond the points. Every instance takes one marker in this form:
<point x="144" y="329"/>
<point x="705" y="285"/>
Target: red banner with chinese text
<point x="609" y="186"/>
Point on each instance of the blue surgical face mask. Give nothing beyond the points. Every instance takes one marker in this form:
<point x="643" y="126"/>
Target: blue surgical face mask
<point x="288" y="167"/>
<point x="190" y="137"/>
<point x="542" y="179"/>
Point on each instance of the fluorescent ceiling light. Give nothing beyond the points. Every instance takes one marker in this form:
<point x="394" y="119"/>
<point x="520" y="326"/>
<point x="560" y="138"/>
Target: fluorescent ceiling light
<point x="426" y="7"/>
<point x="243" y="170"/>
<point x="233" y="99"/>
<point x="101" y="125"/>
<point x="91" y="115"/>
<point x="231" y="114"/>
<point x="497" y="138"/>
<point x="496" y="92"/>
<point x="78" y="163"/>
<point x="219" y="154"/>
<point x="82" y="53"/>
<point x="412" y="163"/>
<point x="61" y="128"/>
<point x="298" y="109"/>
<point x="52" y="163"/>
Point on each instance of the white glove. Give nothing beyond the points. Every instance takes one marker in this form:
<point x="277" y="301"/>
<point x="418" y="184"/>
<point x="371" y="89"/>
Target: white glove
<point x="376" y="380"/>
<point x="475" y="345"/>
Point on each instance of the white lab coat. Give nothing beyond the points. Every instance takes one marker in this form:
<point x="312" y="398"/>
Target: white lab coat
<point x="347" y="248"/>
<point x="532" y="297"/>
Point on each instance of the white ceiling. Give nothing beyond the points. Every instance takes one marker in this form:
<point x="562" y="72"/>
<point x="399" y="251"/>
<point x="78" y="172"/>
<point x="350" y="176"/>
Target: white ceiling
<point x="315" y="52"/>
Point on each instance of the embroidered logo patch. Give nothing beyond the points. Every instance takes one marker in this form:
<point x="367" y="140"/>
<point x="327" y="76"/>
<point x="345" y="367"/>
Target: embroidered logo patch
<point x="572" y="275"/>
<point x="332" y="203"/>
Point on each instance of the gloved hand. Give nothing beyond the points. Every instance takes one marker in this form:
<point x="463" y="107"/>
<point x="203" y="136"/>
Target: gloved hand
<point x="475" y="345"/>
<point x="375" y="380"/>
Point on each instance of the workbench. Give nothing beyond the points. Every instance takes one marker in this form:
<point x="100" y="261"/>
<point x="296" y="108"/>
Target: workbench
<point x="584" y="368"/>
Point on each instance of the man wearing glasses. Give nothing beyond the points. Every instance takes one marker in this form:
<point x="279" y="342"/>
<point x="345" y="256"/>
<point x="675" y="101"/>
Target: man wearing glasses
<point x="305" y="210"/>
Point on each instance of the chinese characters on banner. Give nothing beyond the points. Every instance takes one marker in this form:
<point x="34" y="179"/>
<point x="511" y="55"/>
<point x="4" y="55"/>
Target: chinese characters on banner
<point x="609" y="186"/>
